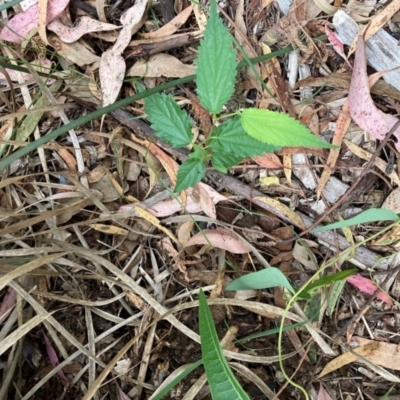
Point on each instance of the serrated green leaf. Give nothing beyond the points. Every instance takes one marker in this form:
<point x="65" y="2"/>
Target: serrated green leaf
<point x="221" y="160"/>
<point x="169" y="122"/>
<point x="371" y="215"/>
<point x="222" y="382"/>
<point x="216" y="64"/>
<point x="191" y="171"/>
<point x="230" y="137"/>
<point x="266" y="278"/>
<point x="279" y="129"/>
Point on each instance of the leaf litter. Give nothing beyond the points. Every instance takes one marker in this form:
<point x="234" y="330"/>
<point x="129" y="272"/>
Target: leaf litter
<point x="88" y="253"/>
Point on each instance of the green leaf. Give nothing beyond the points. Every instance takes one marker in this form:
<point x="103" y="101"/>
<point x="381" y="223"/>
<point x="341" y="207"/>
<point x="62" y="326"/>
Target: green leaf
<point x="232" y="138"/>
<point x="371" y="215"/>
<point x="334" y="296"/>
<point x="222" y="382"/>
<point x="216" y="64"/>
<point x="191" y="171"/>
<point x="313" y="307"/>
<point x="169" y="122"/>
<point x="221" y="160"/>
<point x="266" y="278"/>
<point x="326" y="280"/>
<point x="279" y="129"/>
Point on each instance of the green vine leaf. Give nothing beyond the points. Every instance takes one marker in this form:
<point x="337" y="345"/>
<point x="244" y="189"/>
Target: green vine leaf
<point x="169" y="122"/>
<point x="216" y="64"/>
<point x="191" y="171"/>
<point x="279" y="129"/>
<point x="222" y="382"/>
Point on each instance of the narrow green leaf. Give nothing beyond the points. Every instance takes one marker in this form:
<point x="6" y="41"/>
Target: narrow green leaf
<point x="230" y="137"/>
<point x="279" y="129"/>
<point x="216" y="64"/>
<point x="222" y="382"/>
<point x="334" y="296"/>
<point x="266" y="278"/>
<point x="191" y="171"/>
<point x="326" y="280"/>
<point x="371" y="215"/>
<point x="313" y="307"/>
<point x="169" y="122"/>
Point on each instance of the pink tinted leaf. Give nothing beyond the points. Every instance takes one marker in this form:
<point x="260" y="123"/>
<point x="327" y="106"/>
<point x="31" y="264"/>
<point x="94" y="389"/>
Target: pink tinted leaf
<point x="22" y="23"/>
<point x="362" y="108"/>
<point x="172" y="206"/>
<point x="221" y="238"/>
<point x="53" y="356"/>
<point x="81" y="27"/>
<point x="121" y="393"/>
<point x="365" y="285"/>
<point x="337" y="44"/>
<point x="268" y="161"/>
<point x="7" y="304"/>
<point x="323" y="394"/>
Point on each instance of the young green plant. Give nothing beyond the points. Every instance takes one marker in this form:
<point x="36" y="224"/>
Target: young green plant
<point x="248" y="133"/>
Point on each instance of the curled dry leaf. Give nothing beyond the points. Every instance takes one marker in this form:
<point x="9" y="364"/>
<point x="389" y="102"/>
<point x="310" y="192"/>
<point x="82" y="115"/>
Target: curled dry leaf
<point x="81" y="27"/>
<point x="221" y="238"/>
<point x="18" y="27"/>
<point x="362" y="108"/>
<point x="161" y="65"/>
<point x="112" y="65"/>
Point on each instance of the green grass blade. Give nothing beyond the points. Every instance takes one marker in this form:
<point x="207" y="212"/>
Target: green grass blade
<point x="222" y="382"/>
<point x="10" y="4"/>
<point x="371" y="215"/>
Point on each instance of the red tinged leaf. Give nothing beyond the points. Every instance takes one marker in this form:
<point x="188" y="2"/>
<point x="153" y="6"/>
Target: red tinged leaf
<point x="365" y="285"/>
<point x="53" y="357"/>
<point x="362" y="108"/>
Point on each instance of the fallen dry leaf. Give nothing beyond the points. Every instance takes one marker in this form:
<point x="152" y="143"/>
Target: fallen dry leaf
<point x="221" y="238"/>
<point x="171" y="27"/>
<point x="362" y="108"/>
<point x="161" y="65"/>
<point x="268" y="161"/>
<point x="18" y="27"/>
<point x="81" y="27"/>
<point x="112" y="65"/>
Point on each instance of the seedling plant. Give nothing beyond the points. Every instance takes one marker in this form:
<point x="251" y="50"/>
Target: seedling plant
<point x="245" y="133"/>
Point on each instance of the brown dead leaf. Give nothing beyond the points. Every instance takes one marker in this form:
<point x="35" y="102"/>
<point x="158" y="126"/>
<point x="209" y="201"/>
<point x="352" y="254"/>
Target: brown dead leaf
<point x="204" y="200"/>
<point x="82" y="26"/>
<point x="172" y="25"/>
<point x="221" y="238"/>
<point x="342" y="125"/>
<point x="161" y="65"/>
<point x="268" y="161"/>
